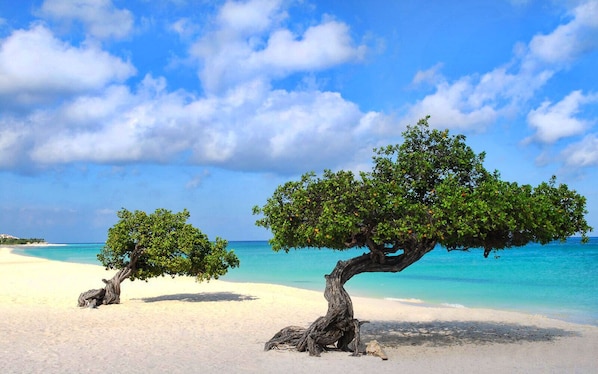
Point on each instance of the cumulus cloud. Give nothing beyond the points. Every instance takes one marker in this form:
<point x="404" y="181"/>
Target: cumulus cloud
<point x="100" y="18"/>
<point x="556" y="121"/>
<point x="568" y="41"/>
<point x="118" y="126"/>
<point x="470" y="102"/>
<point x="245" y="126"/>
<point x="477" y="100"/>
<point x="254" y="16"/>
<point x="582" y="154"/>
<point x="35" y="66"/>
<point x="242" y="123"/>
<point x="454" y="105"/>
<point x="250" y="128"/>
<point x="249" y="42"/>
<point x="320" y="47"/>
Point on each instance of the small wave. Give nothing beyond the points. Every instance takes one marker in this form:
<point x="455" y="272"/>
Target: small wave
<point x="453" y="305"/>
<point x="410" y="301"/>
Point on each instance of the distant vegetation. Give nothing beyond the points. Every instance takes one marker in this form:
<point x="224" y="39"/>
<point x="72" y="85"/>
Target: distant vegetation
<point x="15" y="241"/>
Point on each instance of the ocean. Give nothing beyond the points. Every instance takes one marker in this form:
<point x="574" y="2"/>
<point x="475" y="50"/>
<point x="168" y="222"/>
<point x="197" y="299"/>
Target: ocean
<point x="559" y="280"/>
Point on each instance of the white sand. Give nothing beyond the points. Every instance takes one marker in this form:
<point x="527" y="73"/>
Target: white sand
<point x="180" y="326"/>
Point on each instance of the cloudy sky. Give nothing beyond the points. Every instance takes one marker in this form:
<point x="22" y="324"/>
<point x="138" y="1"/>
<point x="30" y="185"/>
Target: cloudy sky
<point x="209" y="105"/>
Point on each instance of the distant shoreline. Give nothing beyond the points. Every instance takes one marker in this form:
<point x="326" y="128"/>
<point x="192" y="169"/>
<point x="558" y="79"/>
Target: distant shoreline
<point x="33" y="245"/>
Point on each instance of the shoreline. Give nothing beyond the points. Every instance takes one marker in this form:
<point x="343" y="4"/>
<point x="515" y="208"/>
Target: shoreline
<point x="32" y="245"/>
<point x="178" y="325"/>
<point x="577" y="315"/>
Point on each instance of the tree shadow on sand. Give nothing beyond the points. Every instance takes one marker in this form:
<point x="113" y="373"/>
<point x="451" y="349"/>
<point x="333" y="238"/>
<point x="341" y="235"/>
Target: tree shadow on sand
<point x="200" y="297"/>
<point x="451" y="333"/>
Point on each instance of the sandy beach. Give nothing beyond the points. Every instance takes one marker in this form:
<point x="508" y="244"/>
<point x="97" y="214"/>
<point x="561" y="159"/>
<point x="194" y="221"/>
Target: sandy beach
<point x="180" y="326"/>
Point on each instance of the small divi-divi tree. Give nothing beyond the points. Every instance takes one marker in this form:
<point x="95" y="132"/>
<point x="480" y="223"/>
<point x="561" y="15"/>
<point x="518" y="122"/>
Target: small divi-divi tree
<point x="143" y="246"/>
<point x="431" y="189"/>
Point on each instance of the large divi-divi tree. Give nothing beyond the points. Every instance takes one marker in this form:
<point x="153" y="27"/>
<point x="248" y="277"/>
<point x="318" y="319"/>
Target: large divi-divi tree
<point x="143" y="246"/>
<point x="431" y="189"/>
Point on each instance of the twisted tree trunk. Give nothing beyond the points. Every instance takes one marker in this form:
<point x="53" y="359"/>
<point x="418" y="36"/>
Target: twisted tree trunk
<point x="339" y="326"/>
<point x="110" y="294"/>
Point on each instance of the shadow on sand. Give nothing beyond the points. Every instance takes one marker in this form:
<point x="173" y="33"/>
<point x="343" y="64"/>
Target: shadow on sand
<point x="200" y="297"/>
<point x="450" y="333"/>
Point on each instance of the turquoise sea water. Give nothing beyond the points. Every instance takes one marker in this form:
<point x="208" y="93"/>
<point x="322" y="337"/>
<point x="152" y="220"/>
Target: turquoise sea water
<point x="559" y="280"/>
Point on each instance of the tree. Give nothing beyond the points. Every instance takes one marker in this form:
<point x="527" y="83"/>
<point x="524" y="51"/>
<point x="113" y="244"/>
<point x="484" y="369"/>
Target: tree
<point x="142" y="246"/>
<point x="431" y="189"/>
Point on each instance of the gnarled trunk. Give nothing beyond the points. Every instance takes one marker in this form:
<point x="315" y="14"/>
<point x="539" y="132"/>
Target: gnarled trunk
<point x="110" y="294"/>
<point x="339" y="326"/>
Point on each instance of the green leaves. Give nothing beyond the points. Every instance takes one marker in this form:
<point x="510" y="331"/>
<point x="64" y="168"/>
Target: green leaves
<point x="163" y="243"/>
<point x="432" y="187"/>
<point x="314" y="212"/>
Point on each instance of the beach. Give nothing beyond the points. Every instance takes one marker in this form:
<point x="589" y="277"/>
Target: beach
<point x="181" y="326"/>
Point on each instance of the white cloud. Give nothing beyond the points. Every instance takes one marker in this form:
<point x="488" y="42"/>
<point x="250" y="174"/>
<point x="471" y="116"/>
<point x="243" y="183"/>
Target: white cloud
<point x="477" y="100"/>
<point x="320" y="47"/>
<point x="249" y="128"/>
<point x="429" y="76"/>
<point x="568" y="41"/>
<point x="100" y="18"/>
<point x="456" y="106"/>
<point x="249" y="43"/>
<point x="249" y="17"/>
<point x="184" y="27"/>
<point x="35" y="66"/>
<point x="11" y="144"/>
<point x="582" y="154"/>
<point x="556" y="121"/>
<point x="197" y="179"/>
<point x="473" y="102"/>
<point x="118" y="126"/>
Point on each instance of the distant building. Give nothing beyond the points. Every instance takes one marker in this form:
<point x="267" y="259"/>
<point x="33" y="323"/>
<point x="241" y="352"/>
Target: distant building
<point x="6" y="236"/>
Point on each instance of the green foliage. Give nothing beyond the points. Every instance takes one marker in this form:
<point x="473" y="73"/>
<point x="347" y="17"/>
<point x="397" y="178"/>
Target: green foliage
<point x="163" y="243"/>
<point x="20" y="241"/>
<point x="432" y="188"/>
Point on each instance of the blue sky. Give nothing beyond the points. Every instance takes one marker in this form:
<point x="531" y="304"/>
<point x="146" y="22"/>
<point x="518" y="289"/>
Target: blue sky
<point x="209" y="105"/>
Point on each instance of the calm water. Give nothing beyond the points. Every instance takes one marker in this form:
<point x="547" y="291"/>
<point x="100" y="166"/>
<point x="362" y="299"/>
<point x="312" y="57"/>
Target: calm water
<point x="559" y="280"/>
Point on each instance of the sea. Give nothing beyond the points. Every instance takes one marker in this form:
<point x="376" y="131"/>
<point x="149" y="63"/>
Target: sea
<point x="558" y="280"/>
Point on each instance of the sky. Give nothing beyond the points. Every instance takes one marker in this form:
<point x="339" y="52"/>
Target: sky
<point x="210" y="105"/>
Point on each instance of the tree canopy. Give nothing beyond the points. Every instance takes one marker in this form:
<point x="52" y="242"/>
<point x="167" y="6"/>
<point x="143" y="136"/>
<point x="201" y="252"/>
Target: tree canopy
<point x="163" y="243"/>
<point x="432" y="188"/>
<point x="143" y="246"/>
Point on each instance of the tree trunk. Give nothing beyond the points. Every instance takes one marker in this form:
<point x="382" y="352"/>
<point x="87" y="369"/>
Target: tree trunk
<point x="339" y="326"/>
<point x="110" y="294"/>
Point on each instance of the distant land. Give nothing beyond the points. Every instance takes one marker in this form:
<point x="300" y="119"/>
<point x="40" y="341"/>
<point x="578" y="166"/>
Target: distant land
<point x="12" y="240"/>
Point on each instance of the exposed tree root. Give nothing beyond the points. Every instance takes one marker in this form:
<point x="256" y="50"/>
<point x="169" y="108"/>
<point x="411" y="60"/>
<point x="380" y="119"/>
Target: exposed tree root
<point x="338" y="328"/>
<point x="110" y="294"/>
